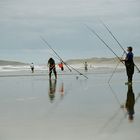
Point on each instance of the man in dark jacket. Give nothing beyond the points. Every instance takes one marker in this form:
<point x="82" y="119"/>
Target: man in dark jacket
<point x="51" y="64"/>
<point x="129" y="63"/>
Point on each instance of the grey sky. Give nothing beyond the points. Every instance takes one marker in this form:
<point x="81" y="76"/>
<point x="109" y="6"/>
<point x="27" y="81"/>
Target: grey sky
<point x="61" y="22"/>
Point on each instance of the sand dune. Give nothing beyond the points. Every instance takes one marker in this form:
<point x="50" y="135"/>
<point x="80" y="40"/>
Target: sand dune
<point x="15" y="63"/>
<point x="93" y="60"/>
<point x="99" y="60"/>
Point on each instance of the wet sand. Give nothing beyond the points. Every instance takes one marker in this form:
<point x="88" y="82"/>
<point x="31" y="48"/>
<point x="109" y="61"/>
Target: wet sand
<point x="71" y="108"/>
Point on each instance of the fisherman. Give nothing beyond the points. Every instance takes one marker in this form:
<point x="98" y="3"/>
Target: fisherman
<point x="32" y="67"/>
<point x="129" y="63"/>
<point x="61" y="66"/>
<point x="86" y="65"/>
<point x="51" y="64"/>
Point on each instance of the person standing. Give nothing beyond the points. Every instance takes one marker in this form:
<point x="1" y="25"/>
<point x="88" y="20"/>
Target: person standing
<point x="32" y="67"/>
<point x="51" y="64"/>
<point x="61" y="66"/>
<point x="129" y="63"/>
<point x="86" y="65"/>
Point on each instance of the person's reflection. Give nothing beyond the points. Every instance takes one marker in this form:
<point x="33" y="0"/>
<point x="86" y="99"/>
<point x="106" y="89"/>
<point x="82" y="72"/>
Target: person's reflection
<point x="130" y="101"/>
<point x="52" y="89"/>
<point x="61" y="90"/>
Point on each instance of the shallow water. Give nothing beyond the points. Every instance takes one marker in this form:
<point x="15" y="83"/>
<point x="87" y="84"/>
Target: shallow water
<point x="32" y="108"/>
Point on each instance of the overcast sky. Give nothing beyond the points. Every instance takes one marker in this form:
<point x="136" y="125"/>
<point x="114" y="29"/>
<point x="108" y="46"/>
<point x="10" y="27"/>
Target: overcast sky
<point x="62" y="24"/>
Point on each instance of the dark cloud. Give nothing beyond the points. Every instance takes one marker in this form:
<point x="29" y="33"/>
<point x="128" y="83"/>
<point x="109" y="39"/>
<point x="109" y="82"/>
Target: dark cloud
<point x="62" y="23"/>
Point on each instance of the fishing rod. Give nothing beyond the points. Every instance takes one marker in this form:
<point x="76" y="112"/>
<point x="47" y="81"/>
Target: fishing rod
<point x="114" y="70"/>
<point x="113" y="36"/>
<point x="54" y="52"/>
<point x="61" y="58"/>
<point x="78" y="72"/>
<point x="107" y="28"/>
<point x="104" y="43"/>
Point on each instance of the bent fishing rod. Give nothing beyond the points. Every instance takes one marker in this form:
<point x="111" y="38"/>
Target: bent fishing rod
<point x="115" y="69"/>
<point x="104" y="43"/>
<point x="78" y="72"/>
<point x="61" y="58"/>
<point x="54" y="52"/>
<point x="124" y="52"/>
<point x="107" y="28"/>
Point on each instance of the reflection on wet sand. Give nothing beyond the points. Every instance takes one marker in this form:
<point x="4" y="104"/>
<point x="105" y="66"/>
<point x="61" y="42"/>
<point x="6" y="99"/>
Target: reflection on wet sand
<point x="67" y="105"/>
<point x="130" y="102"/>
<point x="127" y="109"/>
<point x="61" y="90"/>
<point x="52" y="89"/>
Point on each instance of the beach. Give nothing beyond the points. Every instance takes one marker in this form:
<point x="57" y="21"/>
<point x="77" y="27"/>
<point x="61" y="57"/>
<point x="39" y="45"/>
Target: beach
<point x="90" y="45"/>
<point x="72" y="107"/>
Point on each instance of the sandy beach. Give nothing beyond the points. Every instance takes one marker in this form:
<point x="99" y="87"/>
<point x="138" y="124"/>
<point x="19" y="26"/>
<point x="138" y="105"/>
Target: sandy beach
<point x="72" y="107"/>
<point x="88" y="100"/>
